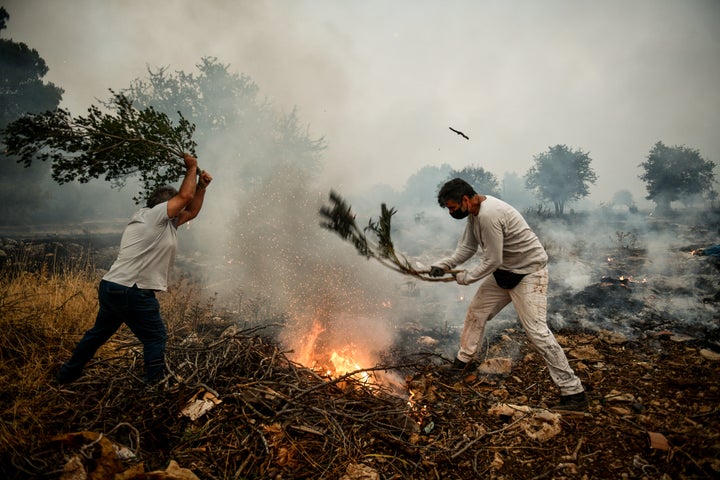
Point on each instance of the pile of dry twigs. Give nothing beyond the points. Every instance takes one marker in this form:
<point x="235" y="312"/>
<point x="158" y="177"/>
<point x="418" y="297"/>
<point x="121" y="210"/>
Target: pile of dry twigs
<point x="236" y="407"/>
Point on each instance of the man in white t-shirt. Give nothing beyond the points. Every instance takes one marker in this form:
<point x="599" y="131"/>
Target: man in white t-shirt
<point x="513" y="269"/>
<point x="146" y="257"/>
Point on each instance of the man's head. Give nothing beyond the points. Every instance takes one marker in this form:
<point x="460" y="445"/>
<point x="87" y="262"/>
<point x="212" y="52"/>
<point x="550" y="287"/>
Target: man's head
<point x="452" y="195"/>
<point x="160" y="195"/>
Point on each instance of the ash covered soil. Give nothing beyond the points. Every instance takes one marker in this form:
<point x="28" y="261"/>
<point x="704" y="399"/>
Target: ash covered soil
<point x="640" y="327"/>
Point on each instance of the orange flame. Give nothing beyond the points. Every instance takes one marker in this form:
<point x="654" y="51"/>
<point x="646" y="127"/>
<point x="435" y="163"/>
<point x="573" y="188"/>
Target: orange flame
<point x="307" y="349"/>
<point x="344" y="363"/>
<point x="331" y="361"/>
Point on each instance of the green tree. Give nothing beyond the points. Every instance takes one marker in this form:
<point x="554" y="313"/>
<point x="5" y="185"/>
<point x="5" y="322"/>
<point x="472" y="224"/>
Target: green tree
<point x="624" y="197"/>
<point x="22" y="91"/>
<point x="263" y="160"/>
<point x="515" y="192"/>
<point x="227" y="111"/>
<point x="561" y="175"/>
<point x="421" y="187"/>
<point x="113" y="146"/>
<point x="672" y="173"/>
<point x="483" y="182"/>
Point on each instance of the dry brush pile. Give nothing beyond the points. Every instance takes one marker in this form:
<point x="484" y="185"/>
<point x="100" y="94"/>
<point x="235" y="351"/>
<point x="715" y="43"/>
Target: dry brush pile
<point x="235" y="406"/>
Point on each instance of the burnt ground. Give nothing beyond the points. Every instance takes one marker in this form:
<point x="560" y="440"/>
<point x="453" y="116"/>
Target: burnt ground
<point x="653" y="414"/>
<point x="642" y="337"/>
<point x="656" y="387"/>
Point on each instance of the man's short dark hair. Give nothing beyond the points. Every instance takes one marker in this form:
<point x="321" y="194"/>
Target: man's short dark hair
<point x="160" y="195"/>
<point x="455" y="190"/>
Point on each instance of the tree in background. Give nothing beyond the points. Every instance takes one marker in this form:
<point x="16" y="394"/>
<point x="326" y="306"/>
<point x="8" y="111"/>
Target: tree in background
<point x="675" y="173"/>
<point x="22" y="91"/>
<point x="561" y="175"/>
<point x="483" y="182"/>
<point x="515" y="192"/>
<point x="265" y="161"/>
<point x="239" y="135"/>
<point x="421" y="187"/>
<point x="625" y="198"/>
<point x="236" y="130"/>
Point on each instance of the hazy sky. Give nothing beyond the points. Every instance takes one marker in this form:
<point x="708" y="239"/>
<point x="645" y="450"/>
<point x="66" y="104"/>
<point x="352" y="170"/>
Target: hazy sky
<point x="383" y="80"/>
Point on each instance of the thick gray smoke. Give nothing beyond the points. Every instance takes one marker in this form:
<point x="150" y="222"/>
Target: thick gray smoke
<point x="610" y="77"/>
<point x="279" y="259"/>
<point x="384" y="89"/>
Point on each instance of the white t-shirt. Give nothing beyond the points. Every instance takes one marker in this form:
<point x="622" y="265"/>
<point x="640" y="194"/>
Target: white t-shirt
<point x="147" y="250"/>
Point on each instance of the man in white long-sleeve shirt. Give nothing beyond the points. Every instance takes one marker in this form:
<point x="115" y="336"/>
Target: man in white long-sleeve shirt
<point x="513" y="269"/>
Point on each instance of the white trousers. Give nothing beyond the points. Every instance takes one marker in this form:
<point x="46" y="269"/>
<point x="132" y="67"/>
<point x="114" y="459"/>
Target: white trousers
<point x="529" y="298"/>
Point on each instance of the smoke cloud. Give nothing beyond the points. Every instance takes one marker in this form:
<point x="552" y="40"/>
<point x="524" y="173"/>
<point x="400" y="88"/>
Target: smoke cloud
<point x="383" y="82"/>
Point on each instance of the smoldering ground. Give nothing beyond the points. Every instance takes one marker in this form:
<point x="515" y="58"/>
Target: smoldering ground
<point x="275" y="252"/>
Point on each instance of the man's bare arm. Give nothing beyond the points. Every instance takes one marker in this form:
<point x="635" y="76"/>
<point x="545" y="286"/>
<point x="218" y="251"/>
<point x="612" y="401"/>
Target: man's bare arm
<point x="187" y="189"/>
<point x="193" y="208"/>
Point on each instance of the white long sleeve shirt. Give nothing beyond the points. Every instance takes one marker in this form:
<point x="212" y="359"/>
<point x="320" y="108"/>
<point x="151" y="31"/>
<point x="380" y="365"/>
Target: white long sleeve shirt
<point x="506" y="240"/>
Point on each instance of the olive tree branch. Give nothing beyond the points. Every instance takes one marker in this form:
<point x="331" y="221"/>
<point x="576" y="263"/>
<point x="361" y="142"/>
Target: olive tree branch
<point x="339" y="218"/>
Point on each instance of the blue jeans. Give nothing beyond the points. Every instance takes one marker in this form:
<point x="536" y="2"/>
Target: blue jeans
<point x="140" y="311"/>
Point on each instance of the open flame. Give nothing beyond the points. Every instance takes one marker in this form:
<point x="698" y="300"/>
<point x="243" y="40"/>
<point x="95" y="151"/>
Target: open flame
<point x="344" y="362"/>
<point x="332" y="361"/>
<point x="306" y="354"/>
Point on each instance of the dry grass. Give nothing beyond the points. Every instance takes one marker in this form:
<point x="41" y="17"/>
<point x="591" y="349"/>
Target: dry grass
<point x="40" y="314"/>
<point x="43" y="314"/>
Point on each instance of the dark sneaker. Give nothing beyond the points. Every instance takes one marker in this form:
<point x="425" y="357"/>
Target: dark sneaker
<point x="458" y="368"/>
<point x="577" y="402"/>
<point x="63" y="378"/>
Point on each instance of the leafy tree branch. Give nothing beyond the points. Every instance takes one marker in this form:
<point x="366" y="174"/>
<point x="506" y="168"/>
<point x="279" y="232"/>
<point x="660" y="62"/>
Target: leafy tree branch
<point x="113" y="146"/>
<point x="340" y="219"/>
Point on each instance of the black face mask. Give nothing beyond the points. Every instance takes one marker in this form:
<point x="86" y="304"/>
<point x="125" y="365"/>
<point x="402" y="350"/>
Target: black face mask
<point x="459" y="214"/>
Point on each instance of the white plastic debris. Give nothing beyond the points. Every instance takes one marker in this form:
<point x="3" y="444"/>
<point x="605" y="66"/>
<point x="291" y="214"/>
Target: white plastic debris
<point x="200" y="404"/>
